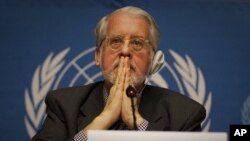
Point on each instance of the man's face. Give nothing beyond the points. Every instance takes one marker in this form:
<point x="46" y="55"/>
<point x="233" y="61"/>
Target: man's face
<point x="129" y="27"/>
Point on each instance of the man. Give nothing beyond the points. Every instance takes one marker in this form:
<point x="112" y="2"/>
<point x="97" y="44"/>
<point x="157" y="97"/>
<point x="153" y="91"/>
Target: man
<point x="126" y="41"/>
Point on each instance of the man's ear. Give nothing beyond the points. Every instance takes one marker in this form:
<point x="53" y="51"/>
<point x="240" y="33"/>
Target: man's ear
<point x="97" y="56"/>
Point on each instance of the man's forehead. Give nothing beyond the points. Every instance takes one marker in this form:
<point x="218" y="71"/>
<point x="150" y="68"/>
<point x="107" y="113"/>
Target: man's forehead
<point x="126" y="23"/>
<point x="122" y="14"/>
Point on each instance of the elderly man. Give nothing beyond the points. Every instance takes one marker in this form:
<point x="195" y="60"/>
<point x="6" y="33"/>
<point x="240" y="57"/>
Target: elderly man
<point x="126" y="41"/>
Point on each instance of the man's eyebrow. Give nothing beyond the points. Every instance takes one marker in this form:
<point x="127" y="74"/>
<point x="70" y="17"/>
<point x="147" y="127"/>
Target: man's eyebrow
<point x="137" y="36"/>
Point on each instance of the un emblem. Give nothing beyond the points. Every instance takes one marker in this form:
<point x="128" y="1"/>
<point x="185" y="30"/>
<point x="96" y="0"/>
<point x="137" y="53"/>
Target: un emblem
<point x="53" y="73"/>
<point x="245" y="111"/>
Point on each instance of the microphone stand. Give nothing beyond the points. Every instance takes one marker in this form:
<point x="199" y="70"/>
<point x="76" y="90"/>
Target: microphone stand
<point x="131" y="93"/>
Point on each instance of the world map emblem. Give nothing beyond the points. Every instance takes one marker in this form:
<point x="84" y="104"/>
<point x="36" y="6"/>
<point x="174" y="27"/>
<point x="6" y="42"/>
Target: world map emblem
<point x="55" y="73"/>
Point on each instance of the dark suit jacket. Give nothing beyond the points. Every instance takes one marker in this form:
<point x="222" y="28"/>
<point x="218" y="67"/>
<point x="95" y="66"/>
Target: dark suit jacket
<point x="69" y="110"/>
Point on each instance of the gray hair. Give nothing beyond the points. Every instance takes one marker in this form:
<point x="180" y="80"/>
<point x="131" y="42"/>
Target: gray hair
<point x="101" y="27"/>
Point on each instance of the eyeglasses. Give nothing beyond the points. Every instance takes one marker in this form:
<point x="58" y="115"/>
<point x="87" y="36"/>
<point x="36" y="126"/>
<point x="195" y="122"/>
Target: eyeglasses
<point x="117" y="42"/>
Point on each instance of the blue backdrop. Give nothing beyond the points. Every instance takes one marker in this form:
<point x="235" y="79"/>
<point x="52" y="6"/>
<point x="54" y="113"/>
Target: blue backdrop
<point x="49" y="44"/>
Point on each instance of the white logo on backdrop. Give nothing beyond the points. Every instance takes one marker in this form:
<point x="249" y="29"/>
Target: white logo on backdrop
<point x="41" y="84"/>
<point x="245" y="111"/>
<point x="188" y="78"/>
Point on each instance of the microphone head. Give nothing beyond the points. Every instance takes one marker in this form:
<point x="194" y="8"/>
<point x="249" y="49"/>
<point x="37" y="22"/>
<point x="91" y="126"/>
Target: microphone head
<point x="130" y="91"/>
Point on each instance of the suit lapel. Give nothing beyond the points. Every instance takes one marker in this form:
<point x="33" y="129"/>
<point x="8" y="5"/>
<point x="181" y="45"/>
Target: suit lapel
<point x="147" y="104"/>
<point x="92" y="106"/>
<point x="152" y="109"/>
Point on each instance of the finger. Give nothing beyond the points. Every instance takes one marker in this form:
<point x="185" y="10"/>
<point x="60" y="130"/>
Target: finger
<point x="126" y="100"/>
<point x="119" y="85"/>
<point x="127" y="75"/>
<point x="119" y="71"/>
<point x="122" y="75"/>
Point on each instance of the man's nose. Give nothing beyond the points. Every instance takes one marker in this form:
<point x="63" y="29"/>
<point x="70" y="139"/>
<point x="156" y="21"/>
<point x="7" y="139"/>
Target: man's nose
<point x="125" y="52"/>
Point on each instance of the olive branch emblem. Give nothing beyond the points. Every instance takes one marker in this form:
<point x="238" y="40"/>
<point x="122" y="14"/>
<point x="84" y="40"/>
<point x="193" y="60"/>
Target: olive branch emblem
<point x="245" y="111"/>
<point x="194" y="83"/>
<point x="41" y="84"/>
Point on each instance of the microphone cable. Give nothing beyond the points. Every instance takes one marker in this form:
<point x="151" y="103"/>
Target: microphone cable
<point x="131" y="93"/>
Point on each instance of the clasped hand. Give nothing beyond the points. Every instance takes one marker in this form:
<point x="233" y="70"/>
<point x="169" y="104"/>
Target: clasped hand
<point x="119" y="104"/>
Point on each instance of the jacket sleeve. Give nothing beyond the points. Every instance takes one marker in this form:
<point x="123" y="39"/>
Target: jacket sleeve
<point x="194" y="120"/>
<point x="54" y="127"/>
<point x="179" y="118"/>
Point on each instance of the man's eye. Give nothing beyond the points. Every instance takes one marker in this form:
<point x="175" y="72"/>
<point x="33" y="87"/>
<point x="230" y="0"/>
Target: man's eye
<point x="116" y="41"/>
<point x="137" y="42"/>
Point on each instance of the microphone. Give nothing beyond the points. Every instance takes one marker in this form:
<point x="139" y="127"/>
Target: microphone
<point x="131" y="93"/>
